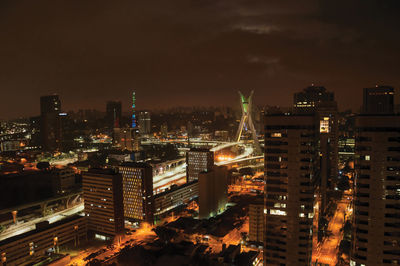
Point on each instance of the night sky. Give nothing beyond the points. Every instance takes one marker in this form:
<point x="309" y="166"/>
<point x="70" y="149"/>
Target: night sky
<point x="192" y="52"/>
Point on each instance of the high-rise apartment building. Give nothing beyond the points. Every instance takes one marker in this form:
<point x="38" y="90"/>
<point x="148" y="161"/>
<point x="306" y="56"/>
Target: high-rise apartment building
<point x="50" y="123"/>
<point x="113" y="114"/>
<point x="289" y="191"/>
<point x="198" y="160"/>
<point x="378" y="100"/>
<point x="102" y="191"/>
<point x="144" y="123"/>
<point x="212" y="191"/>
<point x="321" y="103"/>
<point x="138" y="191"/>
<point x="256" y="221"/>
<point x="376" y="227"/>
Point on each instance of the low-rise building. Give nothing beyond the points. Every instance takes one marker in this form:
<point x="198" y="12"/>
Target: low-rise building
<point x="175" y="197"/>
<point x="46" y="237"/>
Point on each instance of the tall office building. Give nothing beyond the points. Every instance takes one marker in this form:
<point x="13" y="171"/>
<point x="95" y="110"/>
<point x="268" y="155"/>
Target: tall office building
<point x="35" y="141"/>
<point x="212" y="191"/>
<point x="126" y="139"/>
<point x="50" y="124"/>
<point x="321" y="103"/>
<point x="378" y="100"/>
<point x="102" y="191"/>
<point x="113" y="114"/>
<point x="144" y="123"/>
<point x="289" y="191"/>
<point x="376" y="228"/>
<point x="138" y="191"/>
<point x="310" y="97"/>
<point x="198" y="160"/>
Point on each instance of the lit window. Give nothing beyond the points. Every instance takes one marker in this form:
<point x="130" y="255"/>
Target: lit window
<point x="324" y="125"/>
<point x="276" y="135"/>
<point x="277" y="212"/>
<point x="367" y="157"/>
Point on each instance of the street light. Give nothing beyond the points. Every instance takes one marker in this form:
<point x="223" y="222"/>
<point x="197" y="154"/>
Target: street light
<point x="76" y="227"/>
<point x="55" y="240"/>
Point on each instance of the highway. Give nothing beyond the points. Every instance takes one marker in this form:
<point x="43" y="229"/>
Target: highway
<point x="22" y="227"/>
<point x="161" y="182"/>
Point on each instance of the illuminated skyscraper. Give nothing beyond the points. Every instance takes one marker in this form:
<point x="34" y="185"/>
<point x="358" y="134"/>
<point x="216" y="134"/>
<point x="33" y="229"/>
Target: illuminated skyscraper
<point x="138" y="191"/>
<point x="289" y="190"/>
<point x="50" y="123"/>
<point x="198" y="160"/>
<point x="144" y="123"/>
<point x="321" y="103"/>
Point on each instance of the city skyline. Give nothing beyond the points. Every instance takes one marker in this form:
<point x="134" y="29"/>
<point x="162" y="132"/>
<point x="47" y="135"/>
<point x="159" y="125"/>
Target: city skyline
<point x="226" y="132"/>
<point x="185" y="53"/>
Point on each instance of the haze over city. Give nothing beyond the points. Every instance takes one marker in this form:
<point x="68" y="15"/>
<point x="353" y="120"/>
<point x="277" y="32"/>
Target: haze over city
<point x="193" y="53"/>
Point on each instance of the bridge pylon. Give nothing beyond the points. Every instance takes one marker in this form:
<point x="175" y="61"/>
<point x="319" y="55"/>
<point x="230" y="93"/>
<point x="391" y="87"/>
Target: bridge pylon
<point x="246" y="122"/>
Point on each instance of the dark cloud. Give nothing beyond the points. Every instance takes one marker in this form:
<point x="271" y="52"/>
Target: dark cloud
<point x="192" y="52"/>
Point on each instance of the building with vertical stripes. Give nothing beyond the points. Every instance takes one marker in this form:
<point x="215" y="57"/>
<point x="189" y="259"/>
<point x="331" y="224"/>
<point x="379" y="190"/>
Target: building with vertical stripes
<point x="138" y="191"/>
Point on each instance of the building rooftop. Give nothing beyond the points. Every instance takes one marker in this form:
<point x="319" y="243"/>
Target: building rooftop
<point x="200" y="149"/>
<point x="136" y="165"/>
<point x="40" y="228"/>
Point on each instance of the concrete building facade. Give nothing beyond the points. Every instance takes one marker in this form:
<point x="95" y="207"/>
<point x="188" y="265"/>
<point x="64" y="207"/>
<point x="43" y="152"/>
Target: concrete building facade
<point x="102" y="191"/>
<point x="376" y="227"/>
<point x="213" y="191"/>
<point x="289" y="190"/>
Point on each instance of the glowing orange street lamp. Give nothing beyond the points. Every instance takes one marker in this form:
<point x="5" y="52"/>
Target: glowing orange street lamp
<point x="14" y="214"/>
